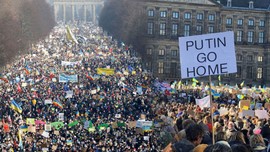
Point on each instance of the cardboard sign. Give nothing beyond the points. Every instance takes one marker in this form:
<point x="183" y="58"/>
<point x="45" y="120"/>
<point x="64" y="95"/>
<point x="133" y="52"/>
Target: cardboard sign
<point x="132" y="124"/>
<point x="267" y="105"/>
<point x="243" y="103"/>
<point x="32" y="128"/>
<point x="56" y="132"/>
<point x="30" y="121"/>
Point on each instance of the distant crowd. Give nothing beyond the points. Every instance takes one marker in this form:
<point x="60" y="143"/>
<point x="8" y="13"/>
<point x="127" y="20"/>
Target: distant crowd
<point x="86" y="92"/>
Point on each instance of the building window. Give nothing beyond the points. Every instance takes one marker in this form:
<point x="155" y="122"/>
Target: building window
<point x="260" y="58"/>
<point x="199" y="16"/>
<point x="175" y="15"/>
<point x="240" y="22"/>
<point x="173" y="69"/>
<point x="174" y="29"/>
<point x="229" y="3"/>
<point x="149" y="51"/>
<point x="250" y="22"/>
<point x="229" y="21"/>
<point x="174" y="53"/>
<point x="187" y="15"/>
<point x="161" y="52"/>
<point x="160" y="67"/>
<point x="239" y="57"/>
<point x="262" y="23"/>
<point x="163" y="14"/>
<point x="199" y="29"/>
<point x="251" y="4"/>
<point x="150" y="13"/>
<point x="162" y="29"/>
<point x="249" y="58"/>
<point x="150" y="28"/>
<point x="149" y="65"/>
<point x="239" y="36"/>
<point x="250" y="36"/>
<point x="249" y="72"/>
<point x="210" y="29"/>
<point x="211" y="17"/>
<point x="186" y="30"/>
<point x="259" y="73"/>
<point x="239" y="72"/>
<point x="261" y="37"/>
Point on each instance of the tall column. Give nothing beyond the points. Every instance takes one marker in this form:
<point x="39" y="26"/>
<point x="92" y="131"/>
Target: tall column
<point x="84" y="11"/>
<point x="94" y="13"/>
<point x="72" y="10"/>
<point x="64" y="13"/>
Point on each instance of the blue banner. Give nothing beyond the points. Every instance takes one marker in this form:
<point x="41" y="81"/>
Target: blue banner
<point x="68" y="78"/>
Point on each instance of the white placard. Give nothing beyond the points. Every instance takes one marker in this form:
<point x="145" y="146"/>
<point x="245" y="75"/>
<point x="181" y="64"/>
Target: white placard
<point x="94" y="91"/>
<point x="209" y="54"/>
<point x="261" y="114"/>
<point x="69" y="94"/>
<point x="61" y="116"/>
<point x="45" y="134"/>
<point x="48" y="101"/>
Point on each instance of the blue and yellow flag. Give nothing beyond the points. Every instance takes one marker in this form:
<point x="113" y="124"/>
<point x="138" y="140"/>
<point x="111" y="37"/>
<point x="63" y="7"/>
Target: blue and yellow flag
<point x="105" y="71"/>
<point x="15" y="106"/>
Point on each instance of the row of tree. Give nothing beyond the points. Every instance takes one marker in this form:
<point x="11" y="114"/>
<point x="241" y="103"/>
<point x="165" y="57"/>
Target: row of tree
<point x="21" y="24"/>
<point x="125" y="21"/>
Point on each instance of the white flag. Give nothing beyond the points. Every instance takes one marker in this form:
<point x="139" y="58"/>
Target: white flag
<point x="204" y="102"/>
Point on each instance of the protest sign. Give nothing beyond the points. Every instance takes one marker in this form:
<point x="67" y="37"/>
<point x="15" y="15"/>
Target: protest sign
<point x="145" y="125"/>
<point x="68" y="78"/>
<point x="69" y="94"/>
<point x="48" y="127"/>
<point x="243" y="103"/>
<point x="132" y="124"/>
<point x="48" y="101"/>
<point x="61" y="116"/>
<point x="32" y="128"/>
<point x="267" y="105"/>
<point x="105" y="71"/>
<point x="204" y="102"/>
<point x="246" y="113"/>
<point x="261" y="114"/>
<point x="45" y="134"/>
<point x="223" y="111"/>
<point x="208" y="54"/>
<point x="30" y="121"/>
<point x="258" y="106"/>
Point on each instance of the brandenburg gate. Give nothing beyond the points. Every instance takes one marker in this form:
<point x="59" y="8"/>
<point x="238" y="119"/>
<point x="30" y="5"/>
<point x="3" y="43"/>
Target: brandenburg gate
<point x="74" y="10"/>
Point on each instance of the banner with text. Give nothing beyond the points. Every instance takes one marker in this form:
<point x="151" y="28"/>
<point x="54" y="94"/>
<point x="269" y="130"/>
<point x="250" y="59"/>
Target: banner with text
<point x="68" y="78"/>
<point x="209" y="54"/>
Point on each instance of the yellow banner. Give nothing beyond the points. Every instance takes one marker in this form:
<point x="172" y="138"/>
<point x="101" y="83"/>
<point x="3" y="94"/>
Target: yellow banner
<point x="105" y="71"/>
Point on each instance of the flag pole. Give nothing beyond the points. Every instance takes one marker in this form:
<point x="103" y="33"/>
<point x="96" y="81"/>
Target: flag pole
<point x="211" y="109"/>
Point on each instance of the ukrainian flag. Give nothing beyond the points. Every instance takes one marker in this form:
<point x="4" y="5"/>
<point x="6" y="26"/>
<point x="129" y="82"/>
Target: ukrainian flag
<point x="24" y="128"/>
<point x="15" y="106"/>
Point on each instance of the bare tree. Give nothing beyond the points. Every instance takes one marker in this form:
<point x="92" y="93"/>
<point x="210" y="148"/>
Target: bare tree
<point x="22" y="23"/>
<point x="124" y="19"/>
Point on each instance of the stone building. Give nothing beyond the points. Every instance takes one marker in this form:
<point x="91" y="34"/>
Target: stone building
<point x="77" y="10"/>
<point x="249" y="19"/>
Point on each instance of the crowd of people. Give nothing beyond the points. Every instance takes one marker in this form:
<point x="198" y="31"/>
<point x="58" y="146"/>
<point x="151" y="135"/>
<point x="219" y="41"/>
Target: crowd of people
<point x="91" y="94"/>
